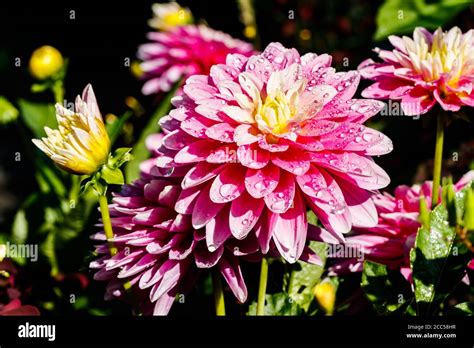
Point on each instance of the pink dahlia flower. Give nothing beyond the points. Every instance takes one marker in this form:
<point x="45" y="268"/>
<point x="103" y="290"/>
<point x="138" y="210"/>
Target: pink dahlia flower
<point x="261" y="139"/>
<point x="183" y="51"/>
<point x="389" y="242"/>
<point x="431" y="68"/>
<point x="159" y="251"/>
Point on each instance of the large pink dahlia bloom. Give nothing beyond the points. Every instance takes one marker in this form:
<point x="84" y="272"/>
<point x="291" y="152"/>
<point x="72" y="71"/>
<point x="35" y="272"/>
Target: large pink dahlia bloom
<point x="159" y="251"/>
<point x="428" y="69"/>
<point x="261" y="139"/>
<point x="389" y="242"/>
<point x="183" y="51"/>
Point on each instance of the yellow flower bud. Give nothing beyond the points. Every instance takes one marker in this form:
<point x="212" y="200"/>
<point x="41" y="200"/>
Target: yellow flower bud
<point x="80" y="145"/>
<point x="325" y="294"/>
<point x="45" y="62"/>
<point x="170" y="15"/>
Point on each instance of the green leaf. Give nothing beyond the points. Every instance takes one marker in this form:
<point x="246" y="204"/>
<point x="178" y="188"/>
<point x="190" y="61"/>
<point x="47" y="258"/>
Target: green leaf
<point x="387" y="289"/>
<point x="112" y="176"/>
<point x="438" y="262"/>
<point x="305" y="276"/>
<point x="8" y="113"/>
<point x="279" y="304"/>
<point x="37" y="116"/>
<point x="465" y="308"/>
<point x="402" y="16"/>
<point x="20" y="227"/>
<point x="140" y="152"/>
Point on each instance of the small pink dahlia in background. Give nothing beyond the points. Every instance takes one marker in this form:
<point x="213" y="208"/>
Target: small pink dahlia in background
<point x="159" y="252"/>
<point x="389" y="242"/>
<point x="262" y="139"/>
<point x="431" y="68"/>
<point x="183" y="51"/>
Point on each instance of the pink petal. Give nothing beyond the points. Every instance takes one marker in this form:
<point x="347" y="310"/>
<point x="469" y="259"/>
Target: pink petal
<point x="251" y="156"/>
<point x="246" y="134"/>
<point x="231" y="272"/>
<point x="200" y="173"/>
<point x="195" y="152"/>
<point x="244" y="213"/>
<point x="292" y="161"/>
<point x="228" y="185"/>
<point x="204" y="209"/>
<point x="205" y="258"/>
<point x="223" y="132"/>
<point x="360" y="204"/>
<point x="289" y="230"/>
<point x="218" y="229"/>
<point x="261" y="182"/>
<point x="281" y="198"/>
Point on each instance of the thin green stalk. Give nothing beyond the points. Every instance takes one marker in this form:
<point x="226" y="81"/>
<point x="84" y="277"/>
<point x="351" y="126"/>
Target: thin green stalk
<point x="262" y="287"/>
<point x="218" y="294"/>
<point x="58" y="90"/>
<point x="438" y="160"/>
<point x="109" y="234"/>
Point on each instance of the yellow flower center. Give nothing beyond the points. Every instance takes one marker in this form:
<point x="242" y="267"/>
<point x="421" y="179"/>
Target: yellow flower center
<point x="277" y="113"/>
<point x="177" y="18"/>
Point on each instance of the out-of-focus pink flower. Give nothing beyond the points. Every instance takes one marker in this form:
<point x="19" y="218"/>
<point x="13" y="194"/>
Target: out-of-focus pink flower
<point x="262" y="139"/>
<point x="428" y="69"/>
<point x="183" y="51"/>
<point x="389" y="242"/>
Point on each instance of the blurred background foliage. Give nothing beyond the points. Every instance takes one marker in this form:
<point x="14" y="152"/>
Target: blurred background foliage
<point x="40" y="204"/>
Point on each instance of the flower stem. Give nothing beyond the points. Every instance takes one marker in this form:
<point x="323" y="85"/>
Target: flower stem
<point x="109" y="234"/>
<point x="262" y="287"/>
<point x="438" y="160"/>
<point x="58" y="91"/>
<point x="218" y="294"/>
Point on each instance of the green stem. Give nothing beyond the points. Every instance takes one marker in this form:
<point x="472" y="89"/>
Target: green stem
<point x="218" y="294"/>
<point x="58" y="91"/>
<point x="262" y="287"/>
<point x="438" y="160"/>
<point x="109" y="233"/>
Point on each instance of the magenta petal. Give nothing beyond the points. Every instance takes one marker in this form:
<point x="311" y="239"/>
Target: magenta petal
<point x="354" y="168"/>
<point x="245" y="134"/>
<point x="231" y="272"/>
<point x="187" y="200"/>
<point x="321" y="235"/>
<point x="163" y="304"/>
<point x="292" y="161"/>
<point x="311" y="257"/>
<point x="228" y="185"/>
<point x="205" y="258"/>
<point x="218" y="229"/>
<point x="196" y="126"/>
<point x="261" y="182"/>
<point x="204" y="209"/>
<point x="221" y="132"/>
<point x="281" y="198"/>
<point x="252" y="156"/>
<point x="263" y="232"/>
<point x="289" y="230"/>
<point x="170" y="273"/>
<point x="196" y="151"/>
<point x="244" y="213"/>
<point x="360" y="204"/>
<point x="418" y="101"/>
<point x="200" y="173"/>
<point x="176" y="140"/>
